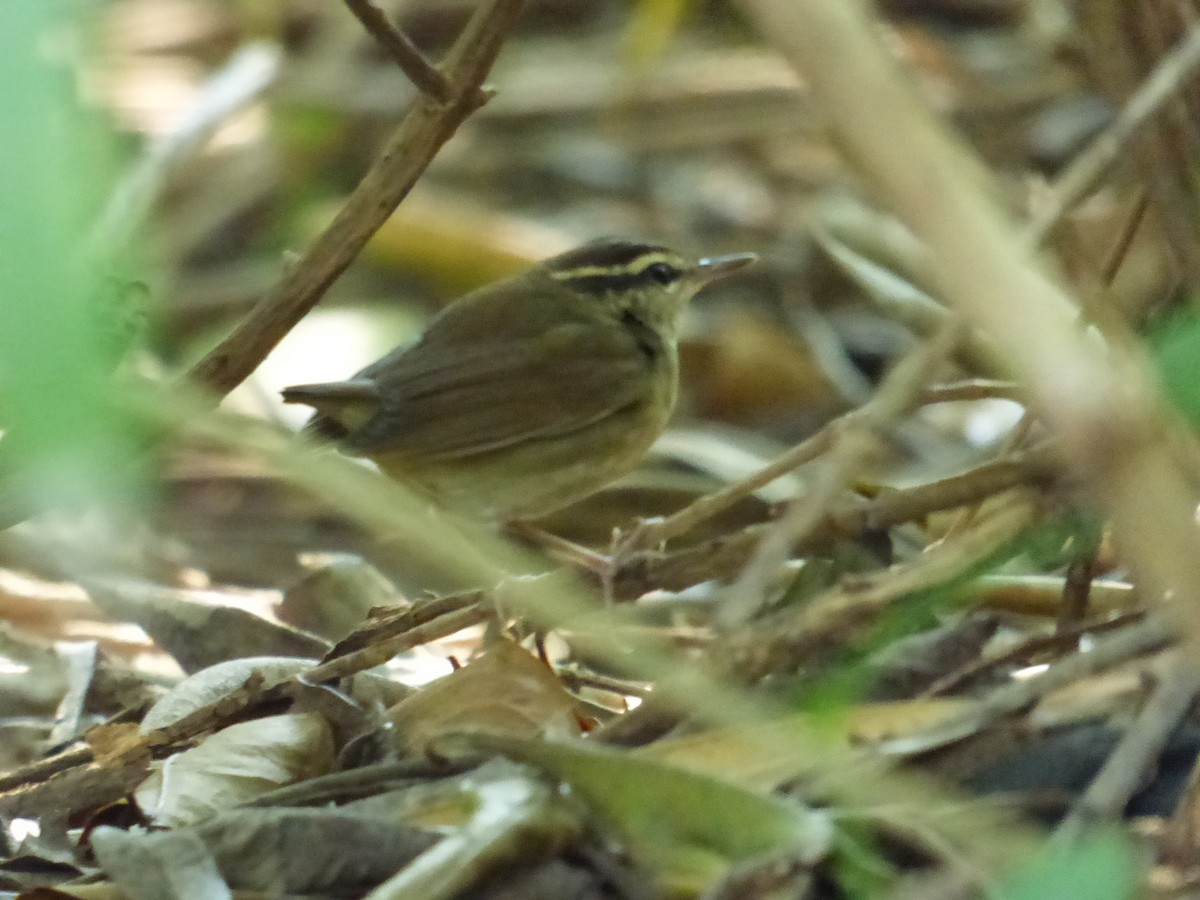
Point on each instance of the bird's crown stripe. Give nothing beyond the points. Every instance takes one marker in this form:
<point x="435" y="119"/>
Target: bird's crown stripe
<point x="630" y="269"/>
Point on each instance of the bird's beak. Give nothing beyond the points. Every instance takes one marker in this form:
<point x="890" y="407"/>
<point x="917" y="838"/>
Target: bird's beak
<point x="713" y="267"/>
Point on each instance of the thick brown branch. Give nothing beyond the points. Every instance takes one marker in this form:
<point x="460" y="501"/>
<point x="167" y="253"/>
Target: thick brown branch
<point x="426" y="127"/>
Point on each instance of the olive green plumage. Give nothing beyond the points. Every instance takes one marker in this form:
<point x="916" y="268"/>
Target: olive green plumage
<point x="531" y="392"/>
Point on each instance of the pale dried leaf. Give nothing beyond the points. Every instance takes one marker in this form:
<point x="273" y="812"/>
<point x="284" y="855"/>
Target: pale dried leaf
<point x="235" y="765"/>
<point x="505" y="691"/>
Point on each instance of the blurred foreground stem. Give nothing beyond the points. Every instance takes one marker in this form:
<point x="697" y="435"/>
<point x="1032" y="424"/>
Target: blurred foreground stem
<point x="1099" y="401"/>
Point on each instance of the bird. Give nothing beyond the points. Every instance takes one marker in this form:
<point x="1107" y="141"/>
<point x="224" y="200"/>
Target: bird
<point x="531" y="392"/>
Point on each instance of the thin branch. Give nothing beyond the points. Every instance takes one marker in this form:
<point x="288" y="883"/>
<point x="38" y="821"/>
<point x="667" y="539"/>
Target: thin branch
<point x="420" y="71"/>
<point x="1103" y="152"/>
<point x="423" y="622"/>
<point x="628" y="565"/>
<point x="1036" y="646"/>
<point x="890" y="508"/>
<point x="808" y="633"/>
<point x="42" y="769"/>
<point x="855" y="441"/>
<point x="424" y="129"/>
<point x="1077" y="585"/>
<point x="653" y="532"/>
<point x="1130" y="642"/>
<point x="379" y="639"/>
<point x="722" y="557"/>
<point x="1120" y="248"/>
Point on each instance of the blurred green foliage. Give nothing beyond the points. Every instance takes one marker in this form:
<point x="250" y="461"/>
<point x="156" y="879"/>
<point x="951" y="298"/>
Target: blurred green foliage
<point x="1175" y="345"/>
<point x="862" y="870"/>
<point x="1100" y="867"/>
<point x="652" y="27"/>
<point x="62" y="434"/>
<point x="845" y="681"/>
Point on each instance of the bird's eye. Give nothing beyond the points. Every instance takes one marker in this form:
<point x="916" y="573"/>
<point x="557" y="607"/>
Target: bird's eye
<point x="662" y="272"/>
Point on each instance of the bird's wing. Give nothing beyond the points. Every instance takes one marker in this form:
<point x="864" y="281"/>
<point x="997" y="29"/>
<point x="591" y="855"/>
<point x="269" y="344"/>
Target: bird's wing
<point x="450" y="399"/>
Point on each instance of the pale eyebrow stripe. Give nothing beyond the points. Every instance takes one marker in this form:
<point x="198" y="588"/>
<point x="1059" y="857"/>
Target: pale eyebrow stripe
<point x="633" y="268"/>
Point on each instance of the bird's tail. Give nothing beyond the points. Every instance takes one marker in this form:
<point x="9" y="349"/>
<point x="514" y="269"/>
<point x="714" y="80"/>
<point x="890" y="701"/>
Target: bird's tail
<point x="341" y="406"/>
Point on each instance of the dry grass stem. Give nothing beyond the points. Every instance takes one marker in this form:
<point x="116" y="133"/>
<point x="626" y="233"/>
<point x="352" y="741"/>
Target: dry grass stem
<point x="1129" y="766"/>
<point x="1089" y="167"/>
<point x="855" y="439"/>
<point x="797" y="635"/>
<point x="1101" y="405"/>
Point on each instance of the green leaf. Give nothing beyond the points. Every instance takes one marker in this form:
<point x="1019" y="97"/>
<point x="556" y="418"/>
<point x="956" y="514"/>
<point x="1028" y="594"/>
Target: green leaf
<point x="1101" y="867"/>
<point x="1175" y="346"/>
<point x="61" y="431"/>
<point x="687" y="826"/>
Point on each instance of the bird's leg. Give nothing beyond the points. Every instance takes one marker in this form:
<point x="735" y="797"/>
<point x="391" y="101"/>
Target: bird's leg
<point x="558" y="547"/>
<point x="645" y="538"/>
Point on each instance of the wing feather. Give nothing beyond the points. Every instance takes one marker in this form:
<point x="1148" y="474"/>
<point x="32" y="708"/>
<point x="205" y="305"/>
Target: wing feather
<point x="503" y="380"/>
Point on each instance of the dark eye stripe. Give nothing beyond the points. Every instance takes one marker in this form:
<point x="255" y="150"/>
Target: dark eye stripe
<point x="600" y="284"/>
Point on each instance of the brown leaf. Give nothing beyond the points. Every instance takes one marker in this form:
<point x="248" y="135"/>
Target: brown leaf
<point x="505" y="691"/>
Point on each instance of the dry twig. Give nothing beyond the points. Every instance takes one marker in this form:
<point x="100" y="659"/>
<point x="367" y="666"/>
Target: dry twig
<point x="724" y="556"/>
<point x="1086" y="170"/>
<point x="116" y="773"/>
<point x="800" y="634"/>
<point x="1128" y="643"/>
<point x="854" y="441"/>
<point x="1022" y="653"/>
<point x="654" y="532"/>
<point x="1126" y="767"/>
<point x="413" y="627"/>
<point x="420" y="71"/>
